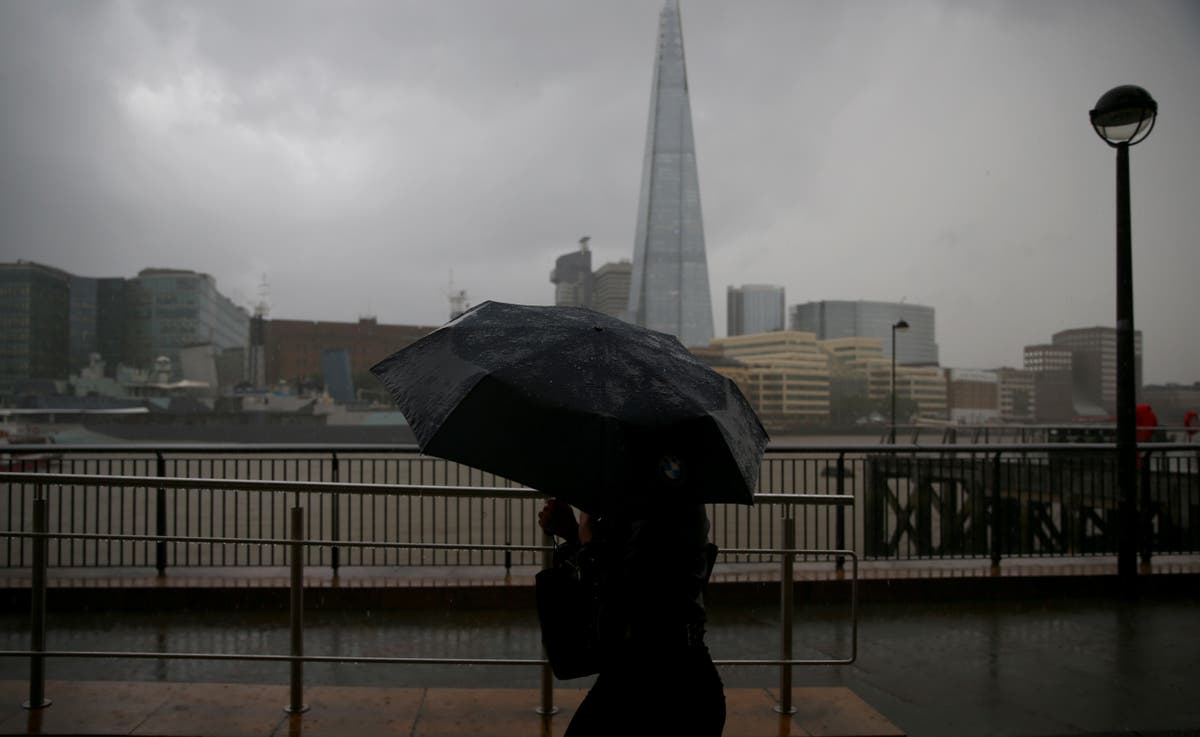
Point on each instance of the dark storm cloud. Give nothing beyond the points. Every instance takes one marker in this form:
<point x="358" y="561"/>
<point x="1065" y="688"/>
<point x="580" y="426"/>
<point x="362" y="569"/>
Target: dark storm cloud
<point x="355" y="153"/>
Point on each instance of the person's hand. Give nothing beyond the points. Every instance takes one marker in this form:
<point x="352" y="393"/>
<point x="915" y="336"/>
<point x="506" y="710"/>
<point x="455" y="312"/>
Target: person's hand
<point x="557" y="518"/>
<point x="585" y="528"/>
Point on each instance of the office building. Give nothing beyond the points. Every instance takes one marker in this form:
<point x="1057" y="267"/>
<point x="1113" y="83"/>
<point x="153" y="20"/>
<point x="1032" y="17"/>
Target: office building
<point x="858" y="365"/>
<point x="1094" y="364"/>
<point x="784" y="375"/>
<point x="831" y="319"/>
<point x="669" y="289"/>
<point x="972" y="396"/>
<point x="169" y="309"/>
<point x="1017" y="394"/>
<point x="610" y="288"/>
<point x="572" y="277"/>
<point x="755" y="308"/>
<point x="35" y="309"/>
<point x="99" y="323"/>
<point x="1052" y="392"/>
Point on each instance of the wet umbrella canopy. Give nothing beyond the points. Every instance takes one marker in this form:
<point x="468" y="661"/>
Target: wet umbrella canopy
<point x="579" y="405"/>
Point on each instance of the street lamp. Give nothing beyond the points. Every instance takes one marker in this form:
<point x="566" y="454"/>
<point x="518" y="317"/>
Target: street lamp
<point x="1123" y="117"/>
<point x="900" y="325"/>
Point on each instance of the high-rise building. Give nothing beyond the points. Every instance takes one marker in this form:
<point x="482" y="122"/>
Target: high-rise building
<point x="1094" y="363"/>
<point x="170" y="309"/>
<point x="669" y="288"/>
<point x="829" y="319"/>
<point x="35" y="309"/>
<point x="572" y="277"/>
<point x="755" y="308"/>
<point x="99" y="323"/>
<point x="610" y="287"/>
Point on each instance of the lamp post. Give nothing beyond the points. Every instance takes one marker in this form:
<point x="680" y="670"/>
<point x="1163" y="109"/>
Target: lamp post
<point x="1123" y="117"/>
<point x="900" y="325"/>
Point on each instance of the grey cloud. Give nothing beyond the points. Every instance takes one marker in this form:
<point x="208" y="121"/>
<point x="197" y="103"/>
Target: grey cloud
<point x="357" y="152"/>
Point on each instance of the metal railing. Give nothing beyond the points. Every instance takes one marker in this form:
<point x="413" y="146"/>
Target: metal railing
<point x="298" y="541"/>
<point x="985" y="502"/>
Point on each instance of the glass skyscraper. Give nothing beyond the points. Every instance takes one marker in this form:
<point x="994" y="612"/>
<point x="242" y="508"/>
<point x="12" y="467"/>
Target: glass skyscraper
<point x="754" y="308"/>
<point x="831" y="319"/>
<point x="669" y="287"/>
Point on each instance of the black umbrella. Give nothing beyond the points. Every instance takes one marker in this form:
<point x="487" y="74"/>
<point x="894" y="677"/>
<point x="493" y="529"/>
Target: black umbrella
<point x="579" y="405"/>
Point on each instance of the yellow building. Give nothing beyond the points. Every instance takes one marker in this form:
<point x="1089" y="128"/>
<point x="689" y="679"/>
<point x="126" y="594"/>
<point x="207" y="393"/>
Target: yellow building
<point x="857" y="356"/>
<point x="783" y="374"/>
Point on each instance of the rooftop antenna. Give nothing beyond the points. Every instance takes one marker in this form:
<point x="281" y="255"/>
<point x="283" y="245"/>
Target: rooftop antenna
<point x="262" y="308"/>
<point x="458" y="298"/>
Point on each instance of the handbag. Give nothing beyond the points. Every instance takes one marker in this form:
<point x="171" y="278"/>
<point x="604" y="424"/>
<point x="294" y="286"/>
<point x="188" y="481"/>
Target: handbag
<point x="568" y="608"/>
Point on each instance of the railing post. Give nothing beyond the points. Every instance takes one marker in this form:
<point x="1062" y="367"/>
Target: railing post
<point x="840" y="513"/>
<point x="997" y="515"/>
<point x="335" y="520"/>
<point x="37" y="604"/>
<point x="787" y="591"/>
<point x="547" y="708"/>
<point x="507" y="537"/>
<point x="296" y="705"/>
<point x="1146" y="512"/>
<point x="160" y="518"/>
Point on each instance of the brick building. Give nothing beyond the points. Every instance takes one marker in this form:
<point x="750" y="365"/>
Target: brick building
<point x="294" y="347"/>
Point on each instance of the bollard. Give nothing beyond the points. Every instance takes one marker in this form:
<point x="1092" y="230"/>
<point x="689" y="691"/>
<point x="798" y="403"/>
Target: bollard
<point x="787" y="591"/>
<point x="297" y="705"/>
<point x="37" y="606"/>
<point x="547" y="708"/>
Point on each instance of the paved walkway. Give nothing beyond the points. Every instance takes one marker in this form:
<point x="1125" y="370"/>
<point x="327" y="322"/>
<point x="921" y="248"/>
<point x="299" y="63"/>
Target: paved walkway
<point x="1055" y="655"/>
<point x="223" y="710"/>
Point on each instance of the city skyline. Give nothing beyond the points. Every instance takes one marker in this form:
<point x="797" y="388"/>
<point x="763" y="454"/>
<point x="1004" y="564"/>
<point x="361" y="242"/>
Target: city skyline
<point x="947" y="161"/>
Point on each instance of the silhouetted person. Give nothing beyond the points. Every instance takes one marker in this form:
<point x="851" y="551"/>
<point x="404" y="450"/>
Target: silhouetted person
<point x="651" y="563"/>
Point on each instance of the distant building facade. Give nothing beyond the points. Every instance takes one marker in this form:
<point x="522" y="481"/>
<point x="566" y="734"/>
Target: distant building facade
<point x="1050" y="366"/>
<point x="755" y="308"/>
<point x="293" y="348"/>
<point x="858" y="364"/>
<point x="100" y="323"/>
<point x="1094" y="363"/>
<point x="170" y="309"/>
<point x="784" y="375"/>
<point x="1017" y="393"/>
<point x="572" y="277"/>
<point x="830" y="319"/>
<point x="972" y="396"/>
<point x="35" y="310"/>
<point x="610" y="287"/>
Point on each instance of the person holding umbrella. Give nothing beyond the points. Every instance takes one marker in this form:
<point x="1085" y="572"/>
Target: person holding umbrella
<point x="626" y="425"/>
<point x="650" y="563"/>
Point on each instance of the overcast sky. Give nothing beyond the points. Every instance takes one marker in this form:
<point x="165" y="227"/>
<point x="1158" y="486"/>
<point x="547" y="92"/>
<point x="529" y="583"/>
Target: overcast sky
<point x="355" y="153"/>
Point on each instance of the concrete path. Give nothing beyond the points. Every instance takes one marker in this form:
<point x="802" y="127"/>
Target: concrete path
<point x="226" y="710"/>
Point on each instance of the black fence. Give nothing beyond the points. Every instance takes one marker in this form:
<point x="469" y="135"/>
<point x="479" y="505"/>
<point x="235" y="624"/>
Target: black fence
<point x="910" y="502"/>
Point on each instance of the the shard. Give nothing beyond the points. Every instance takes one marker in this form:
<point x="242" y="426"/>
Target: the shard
<point x="669" y="288"/>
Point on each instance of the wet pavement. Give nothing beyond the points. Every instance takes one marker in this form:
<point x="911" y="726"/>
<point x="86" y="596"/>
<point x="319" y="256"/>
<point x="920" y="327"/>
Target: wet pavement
<point x="1046" y="665"/>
